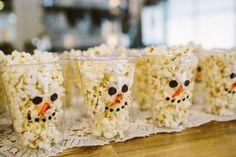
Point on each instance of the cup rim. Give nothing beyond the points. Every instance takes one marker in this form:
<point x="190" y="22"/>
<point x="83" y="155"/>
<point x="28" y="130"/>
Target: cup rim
<point x="34" y="64"/>
<point x="115" y="58"/>
<point x="167" y="55"/>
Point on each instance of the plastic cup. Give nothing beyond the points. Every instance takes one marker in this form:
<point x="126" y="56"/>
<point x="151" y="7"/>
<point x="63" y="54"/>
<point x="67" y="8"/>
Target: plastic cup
<point x="219" y="77"/>
<point x="107" y="87"/>
<point x="35" y="95"/>
<point x="170" y="84"/>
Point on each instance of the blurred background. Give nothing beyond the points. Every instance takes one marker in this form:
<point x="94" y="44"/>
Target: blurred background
<point x="56" y="25"/>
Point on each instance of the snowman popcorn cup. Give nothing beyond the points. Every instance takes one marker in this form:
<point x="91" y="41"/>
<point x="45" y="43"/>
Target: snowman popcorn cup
<point x="35" y="94"/>
<point x="107" y="84"/>
<point x="170" y="80"/>
<point x="219" y="77"/>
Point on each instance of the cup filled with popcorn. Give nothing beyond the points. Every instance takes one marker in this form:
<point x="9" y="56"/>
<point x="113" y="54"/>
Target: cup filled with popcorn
<point x="219" y="77"/>
<point x="170" y="83"/>
<point x="107" y="84"/>
<point x="35" y="95"/>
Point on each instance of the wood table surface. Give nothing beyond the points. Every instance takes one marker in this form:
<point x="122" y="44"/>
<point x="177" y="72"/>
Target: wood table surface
<point x="215" y="139"/>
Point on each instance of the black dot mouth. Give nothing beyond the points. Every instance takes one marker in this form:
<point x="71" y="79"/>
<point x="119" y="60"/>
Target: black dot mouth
<point x="178" y="100"/>
<point x="118" y="109"/>
<point x="229" y="91"/>
<point x="43" y="119"/>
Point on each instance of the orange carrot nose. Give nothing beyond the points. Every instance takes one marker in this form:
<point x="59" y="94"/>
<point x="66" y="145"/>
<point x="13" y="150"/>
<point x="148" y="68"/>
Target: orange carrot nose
<point x="233" y="85"/>
<point x="44" y="108"/>
<point x="178" y="91"/>
<point x="117" y="100"/>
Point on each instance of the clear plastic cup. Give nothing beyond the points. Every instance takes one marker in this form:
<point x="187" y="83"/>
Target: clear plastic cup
<point x="107" y="85"/>
<point x="35" y="95"/>
<point x="219" y="77"/>
<point x="170" y="84"/>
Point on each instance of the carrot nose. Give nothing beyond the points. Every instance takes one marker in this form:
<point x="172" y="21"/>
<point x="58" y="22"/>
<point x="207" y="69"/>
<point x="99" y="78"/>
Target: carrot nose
<point x="178" y="91"/>
<point x="233" y="85"/>
<point x="117" y="99"/>
<point x="43" y="109"/>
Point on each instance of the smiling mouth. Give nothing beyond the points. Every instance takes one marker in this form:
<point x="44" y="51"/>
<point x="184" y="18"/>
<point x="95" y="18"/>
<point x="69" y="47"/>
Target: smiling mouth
<point x="43" y="119"/>
<point x="177" y="100"/>
<point x="229" y="91"/>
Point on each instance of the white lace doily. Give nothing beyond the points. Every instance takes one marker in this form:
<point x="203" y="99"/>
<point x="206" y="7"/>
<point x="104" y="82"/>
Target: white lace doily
<point x="77" y="132"/>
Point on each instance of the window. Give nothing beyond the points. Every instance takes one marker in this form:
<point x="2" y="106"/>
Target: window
<point x="209" y="22"/>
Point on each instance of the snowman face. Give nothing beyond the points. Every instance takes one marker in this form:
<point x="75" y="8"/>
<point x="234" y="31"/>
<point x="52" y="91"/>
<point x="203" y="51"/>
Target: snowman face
<point x="106" y="86"/>
<point x="178" y="93"/>
<point x="231" y="89"/>
<point x="117" y="103"/>
<point x="42" y="109"/>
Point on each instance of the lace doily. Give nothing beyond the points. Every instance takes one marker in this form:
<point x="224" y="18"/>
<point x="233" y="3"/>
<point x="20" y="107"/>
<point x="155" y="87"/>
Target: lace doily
<point x="77" y="132"/>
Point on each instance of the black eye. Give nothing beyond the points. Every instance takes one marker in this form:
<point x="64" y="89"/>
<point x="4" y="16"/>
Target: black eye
<point x="112" y="91"/>
<point x="37" y="100"/>
<point x="232" y="75"/>
<point x="186" y="83"/>
<point x="54" y="97"/>
<point x="173" y="84"/>
<point x="124" y="88"/>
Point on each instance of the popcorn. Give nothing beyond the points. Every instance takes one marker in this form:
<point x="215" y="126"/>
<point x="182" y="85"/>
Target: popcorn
<point x="219" y="76"/>
<point x="170" y="82"/>
<point x="34" y="88"/>
<point x="107" y="86"/>
<point x="102" y="50"/>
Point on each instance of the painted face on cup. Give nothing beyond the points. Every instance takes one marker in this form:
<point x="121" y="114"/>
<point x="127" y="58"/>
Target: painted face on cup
<point x="117" y="98"/>
<point x="42" y="108"/>
<point x="178" y="93"/>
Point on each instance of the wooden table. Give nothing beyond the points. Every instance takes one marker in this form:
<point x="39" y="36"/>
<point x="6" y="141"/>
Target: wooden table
<point x="215" y="139"/>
